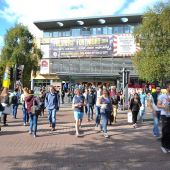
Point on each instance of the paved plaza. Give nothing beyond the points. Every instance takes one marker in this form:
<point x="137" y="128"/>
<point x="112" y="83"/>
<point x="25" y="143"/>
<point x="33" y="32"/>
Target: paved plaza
<point x="126" y="149"/>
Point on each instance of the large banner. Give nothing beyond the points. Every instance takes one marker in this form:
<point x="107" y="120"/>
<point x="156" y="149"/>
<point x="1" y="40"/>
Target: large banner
<point x="90" y="46"/>
<point x="124" y="45"/>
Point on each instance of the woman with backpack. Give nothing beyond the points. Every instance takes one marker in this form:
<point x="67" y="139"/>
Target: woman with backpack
<point x="33" y="110"/>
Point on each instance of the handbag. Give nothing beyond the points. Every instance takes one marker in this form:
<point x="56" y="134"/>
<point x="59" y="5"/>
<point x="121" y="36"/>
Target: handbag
<point x="7" y="109"/>
<point x="129" y="117"/>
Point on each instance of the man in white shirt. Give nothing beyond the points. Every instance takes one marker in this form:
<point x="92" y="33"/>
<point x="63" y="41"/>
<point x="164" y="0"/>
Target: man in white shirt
<point x="164" y="105"/>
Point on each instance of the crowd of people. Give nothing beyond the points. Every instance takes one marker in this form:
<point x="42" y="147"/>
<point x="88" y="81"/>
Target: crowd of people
<point x="101" y="101"/>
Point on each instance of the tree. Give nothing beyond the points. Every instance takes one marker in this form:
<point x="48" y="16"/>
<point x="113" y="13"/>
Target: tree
<point x="152" y="62"/>
<point x="20" y="49"/>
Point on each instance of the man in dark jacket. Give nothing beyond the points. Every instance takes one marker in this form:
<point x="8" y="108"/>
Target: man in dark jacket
<point x="90" y="104"/>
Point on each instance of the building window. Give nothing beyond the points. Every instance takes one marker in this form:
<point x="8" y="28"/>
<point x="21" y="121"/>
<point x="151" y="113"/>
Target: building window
<point x="55" y="34"/>
<point x="99" y="31"/>
<point x="76" y="32"/>
<point x="94" y="31"/>
<point x="47" y="34"/>
<point x="86" y="31"/>
<point x="126" y="29"/>
<point x="105" y="31"/>
<point x="109" y="30"/>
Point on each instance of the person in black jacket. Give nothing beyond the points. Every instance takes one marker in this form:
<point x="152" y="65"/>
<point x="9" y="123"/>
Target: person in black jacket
<point x="90" y="104"/>
<point x="135" y="105"/>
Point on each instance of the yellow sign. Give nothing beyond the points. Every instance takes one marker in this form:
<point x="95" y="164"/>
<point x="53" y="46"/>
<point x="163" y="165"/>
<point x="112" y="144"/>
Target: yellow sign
<point x="6" y="79"/>
<point x="6" y="83"/>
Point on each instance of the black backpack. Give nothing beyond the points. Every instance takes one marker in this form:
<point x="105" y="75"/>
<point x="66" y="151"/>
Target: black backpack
<point x="14" y="99"/>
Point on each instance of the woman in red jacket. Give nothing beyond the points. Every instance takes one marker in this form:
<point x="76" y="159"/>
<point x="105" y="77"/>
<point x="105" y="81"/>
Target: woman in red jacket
<point x="32" y="103"/>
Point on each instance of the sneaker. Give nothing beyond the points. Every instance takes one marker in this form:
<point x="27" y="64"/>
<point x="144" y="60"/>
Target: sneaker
<point x="106" y="135"/>
<point x="77" y="134"/>
<point x="53" y="129"/>
<point x="30" y="132"/>
<point x="24" y="124"/>
<point x="164" y="150"/>
<point x="35" y="136"/>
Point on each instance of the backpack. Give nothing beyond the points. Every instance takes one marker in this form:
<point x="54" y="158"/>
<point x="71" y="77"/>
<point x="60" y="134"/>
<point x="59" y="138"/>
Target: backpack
<point x="14" y="99"/>
<point x="114" y="100"/>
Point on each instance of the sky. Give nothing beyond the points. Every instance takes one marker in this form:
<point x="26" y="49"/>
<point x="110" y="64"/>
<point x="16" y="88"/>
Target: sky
<point x="28" y="11"/>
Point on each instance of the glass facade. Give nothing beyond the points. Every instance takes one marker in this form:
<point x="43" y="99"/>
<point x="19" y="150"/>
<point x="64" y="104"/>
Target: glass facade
<point x="87" y="31"/>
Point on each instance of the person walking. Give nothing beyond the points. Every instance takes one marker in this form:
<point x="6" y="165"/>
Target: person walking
<point x="115" y="100"/>
<point x="164" y="105"/>
<point x="98" y="115"/>
<point x="24" y="106"/>
<point x="14" y="97"/>
<point x="32" y="102"/>
<point x="135" y="105"/>
<point x="156" y="112"/>
<point x="52" y="105"/>
<point x="78" y="106"/>
<point x="142" y="108"/>
<point x="5" y="101"/>
<point x="90" y="104"/>
<point x="106" y="109"/>
<point x="85" y="97"/>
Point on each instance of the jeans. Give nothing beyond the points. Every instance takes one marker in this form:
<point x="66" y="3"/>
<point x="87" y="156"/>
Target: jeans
<point x="90" y="111"/>
<point x="104" y="121"/>
<point x="98" y="115"/>
<point x="52" y="117"/>
<point x="14" y="110"/>
<point x="165" y="132"/>
<point x="25" y="115"/>
<point x="142" y="113"/>
<point x="156" y="120"/>
<point x="33" y="123"/>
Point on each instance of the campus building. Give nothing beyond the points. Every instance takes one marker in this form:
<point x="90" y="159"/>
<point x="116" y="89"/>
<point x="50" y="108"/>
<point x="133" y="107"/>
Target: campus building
<point x="92" y="49"/>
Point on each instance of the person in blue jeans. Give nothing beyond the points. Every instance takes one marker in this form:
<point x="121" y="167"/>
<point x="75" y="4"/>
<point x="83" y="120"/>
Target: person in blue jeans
<point x="142" y="108"/>
<point x="31" y="101"/>
<point x="24" y="108"/>
<point x="52" y="105"/>
<point x="105" y="110"/>
<point x="15" y="102"/>
<point x="156" y="112"/>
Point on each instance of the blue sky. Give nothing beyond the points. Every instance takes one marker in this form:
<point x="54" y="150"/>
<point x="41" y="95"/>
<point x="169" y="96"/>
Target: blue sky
<point x="28" y="11"/>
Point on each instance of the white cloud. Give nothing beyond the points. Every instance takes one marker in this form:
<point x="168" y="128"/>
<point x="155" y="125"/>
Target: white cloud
<point x="28" y="11"/>
<point x="139" y="6"/>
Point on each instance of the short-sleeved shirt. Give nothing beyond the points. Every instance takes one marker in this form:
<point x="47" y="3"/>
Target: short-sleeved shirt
<point x="165" y="100"/>
<point x="76" y="100"/>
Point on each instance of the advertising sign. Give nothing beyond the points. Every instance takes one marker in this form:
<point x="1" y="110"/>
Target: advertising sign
<point x="6" y="78"/>
<point x="90" y="46"/>
<point x="124" y="45"/>
<point x="44" y="66"/>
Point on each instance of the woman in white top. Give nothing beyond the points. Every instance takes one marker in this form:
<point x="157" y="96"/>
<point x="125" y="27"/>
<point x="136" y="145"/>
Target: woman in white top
<point x="24" y="107"/>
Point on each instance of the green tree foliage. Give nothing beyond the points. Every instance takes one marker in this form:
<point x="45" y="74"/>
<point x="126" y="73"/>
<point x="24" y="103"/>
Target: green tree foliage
<point x="153" y="61"/>
<point x="20" y="49"/>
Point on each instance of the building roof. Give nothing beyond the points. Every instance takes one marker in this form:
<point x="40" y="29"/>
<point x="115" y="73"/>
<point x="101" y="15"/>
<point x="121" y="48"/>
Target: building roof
<point x="90" y="21"/>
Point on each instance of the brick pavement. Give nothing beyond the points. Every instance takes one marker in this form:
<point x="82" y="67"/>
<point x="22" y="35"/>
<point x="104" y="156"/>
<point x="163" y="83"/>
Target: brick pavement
<point x="126" y="149"/>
